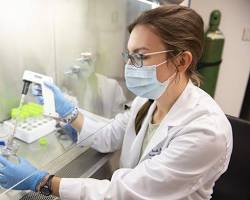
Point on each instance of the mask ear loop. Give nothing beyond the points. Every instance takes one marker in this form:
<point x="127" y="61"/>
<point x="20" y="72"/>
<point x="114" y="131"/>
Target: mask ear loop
<point x="161" y="63"/>
<point x="170" y="79"/>
<point x="177" y="70"/>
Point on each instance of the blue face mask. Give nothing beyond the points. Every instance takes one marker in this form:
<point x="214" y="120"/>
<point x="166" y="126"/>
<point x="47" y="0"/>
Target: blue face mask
<point x="143" y="81"/>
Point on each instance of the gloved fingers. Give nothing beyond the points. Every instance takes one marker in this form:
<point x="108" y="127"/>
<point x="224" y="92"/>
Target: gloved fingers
<point x="4" y="162"/>
<point x="40" y="100"/>
<point x="67" y="126"/>
<point x="72" y="133"/>
<point x="3" y="180"/>
<point x="36" y="90"/>
<point x="4" y="185"/>
<point x="2" y="172"/>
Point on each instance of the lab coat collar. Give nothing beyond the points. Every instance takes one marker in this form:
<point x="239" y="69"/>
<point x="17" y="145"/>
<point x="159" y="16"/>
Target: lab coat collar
<point x="135" y="150"/>
<point x="175" y="117"/>
<point x="178" y="114"/>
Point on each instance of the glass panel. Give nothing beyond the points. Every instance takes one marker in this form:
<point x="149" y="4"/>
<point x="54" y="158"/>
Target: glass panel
<point x="77" y="43"/>
<point x="89" y="47"/>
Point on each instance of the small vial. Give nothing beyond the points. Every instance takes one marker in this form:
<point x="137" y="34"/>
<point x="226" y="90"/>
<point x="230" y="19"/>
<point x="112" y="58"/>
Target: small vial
<point x="9" y="152"/>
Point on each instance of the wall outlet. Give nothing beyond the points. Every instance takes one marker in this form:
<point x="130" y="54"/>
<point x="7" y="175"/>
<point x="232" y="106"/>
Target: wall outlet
<point x="246" y="34"/>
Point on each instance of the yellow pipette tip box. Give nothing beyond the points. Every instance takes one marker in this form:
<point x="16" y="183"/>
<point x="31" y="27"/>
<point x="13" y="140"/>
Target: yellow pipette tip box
<point x="26" y="111"/>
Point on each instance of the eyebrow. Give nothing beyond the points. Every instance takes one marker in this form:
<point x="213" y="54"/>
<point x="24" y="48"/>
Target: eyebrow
<point x="138" y="49"/>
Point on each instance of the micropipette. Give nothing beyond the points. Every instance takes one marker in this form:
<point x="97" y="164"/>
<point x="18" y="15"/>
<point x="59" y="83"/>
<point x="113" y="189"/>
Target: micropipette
<point x="49" y="103"/>
<point x="11" y="137"/>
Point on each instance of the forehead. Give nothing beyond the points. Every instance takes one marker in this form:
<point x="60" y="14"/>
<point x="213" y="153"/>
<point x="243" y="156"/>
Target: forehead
<point x="143" y="37"/>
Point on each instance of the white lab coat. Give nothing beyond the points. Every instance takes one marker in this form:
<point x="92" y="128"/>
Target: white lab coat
<point x="188" y="152"/>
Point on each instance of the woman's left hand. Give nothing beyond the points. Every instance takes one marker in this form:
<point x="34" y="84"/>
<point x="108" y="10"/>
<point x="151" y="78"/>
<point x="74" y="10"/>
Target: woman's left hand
<point x="71" y="132"/>
<point x="23" y="173"/>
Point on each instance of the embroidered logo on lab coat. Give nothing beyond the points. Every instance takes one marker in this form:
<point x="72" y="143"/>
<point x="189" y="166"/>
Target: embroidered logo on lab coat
<point x="155" y="151"/>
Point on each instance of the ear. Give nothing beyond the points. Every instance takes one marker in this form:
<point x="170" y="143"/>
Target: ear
<point x="185" y="61"/>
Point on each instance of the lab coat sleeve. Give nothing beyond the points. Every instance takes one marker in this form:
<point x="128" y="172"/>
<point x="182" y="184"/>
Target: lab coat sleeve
<point x="194" y="156"/>
<point x="109" y="137"/>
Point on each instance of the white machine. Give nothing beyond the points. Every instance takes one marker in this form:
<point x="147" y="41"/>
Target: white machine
<point x="49" y="103"/>
<point x="32" y="129"/>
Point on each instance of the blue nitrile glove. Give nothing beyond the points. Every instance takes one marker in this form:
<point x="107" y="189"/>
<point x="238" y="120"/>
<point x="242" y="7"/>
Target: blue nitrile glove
<point x="63" y="106"/>
<point x="12" y="173"/>
<point x="71" y="132"/>
<point x="37" y="92"/>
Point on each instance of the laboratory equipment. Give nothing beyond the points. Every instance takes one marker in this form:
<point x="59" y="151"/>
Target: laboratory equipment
<point x="10" y="149"/>
<point x="29" y="123"/>
<point x="30" y="134"/>
<point x="32" y="128"/>
<point x="49" y="103"/>
<point x="84" y="67"/>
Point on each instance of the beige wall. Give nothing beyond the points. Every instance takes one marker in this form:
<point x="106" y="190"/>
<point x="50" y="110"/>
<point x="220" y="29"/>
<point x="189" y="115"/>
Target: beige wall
<point x="235" y="68"/>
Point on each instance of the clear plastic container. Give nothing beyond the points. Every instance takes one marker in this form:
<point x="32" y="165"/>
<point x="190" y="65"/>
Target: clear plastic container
<point x="9" y="152"/>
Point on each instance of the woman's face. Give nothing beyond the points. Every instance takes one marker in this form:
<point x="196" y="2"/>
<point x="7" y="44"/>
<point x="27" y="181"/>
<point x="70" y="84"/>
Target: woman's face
<point x="143" y="40"/>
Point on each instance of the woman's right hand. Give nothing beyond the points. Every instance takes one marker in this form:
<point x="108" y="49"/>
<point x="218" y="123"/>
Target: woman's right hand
<point x="63" y="106"/>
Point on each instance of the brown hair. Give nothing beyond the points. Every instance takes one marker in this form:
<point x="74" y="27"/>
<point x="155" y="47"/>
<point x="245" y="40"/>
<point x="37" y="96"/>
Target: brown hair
<point x="181" y="29"/>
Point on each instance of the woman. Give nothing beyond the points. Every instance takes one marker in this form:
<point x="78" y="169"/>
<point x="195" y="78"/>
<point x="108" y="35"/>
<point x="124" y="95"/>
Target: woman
<point x="175" y="140"/>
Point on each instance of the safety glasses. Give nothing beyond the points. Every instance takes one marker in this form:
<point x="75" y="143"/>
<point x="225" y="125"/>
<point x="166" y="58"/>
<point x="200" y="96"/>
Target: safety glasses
<point x="137" y="59"/>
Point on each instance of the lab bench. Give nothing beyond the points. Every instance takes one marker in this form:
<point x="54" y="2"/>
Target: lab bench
<point x="62" y="157"/>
